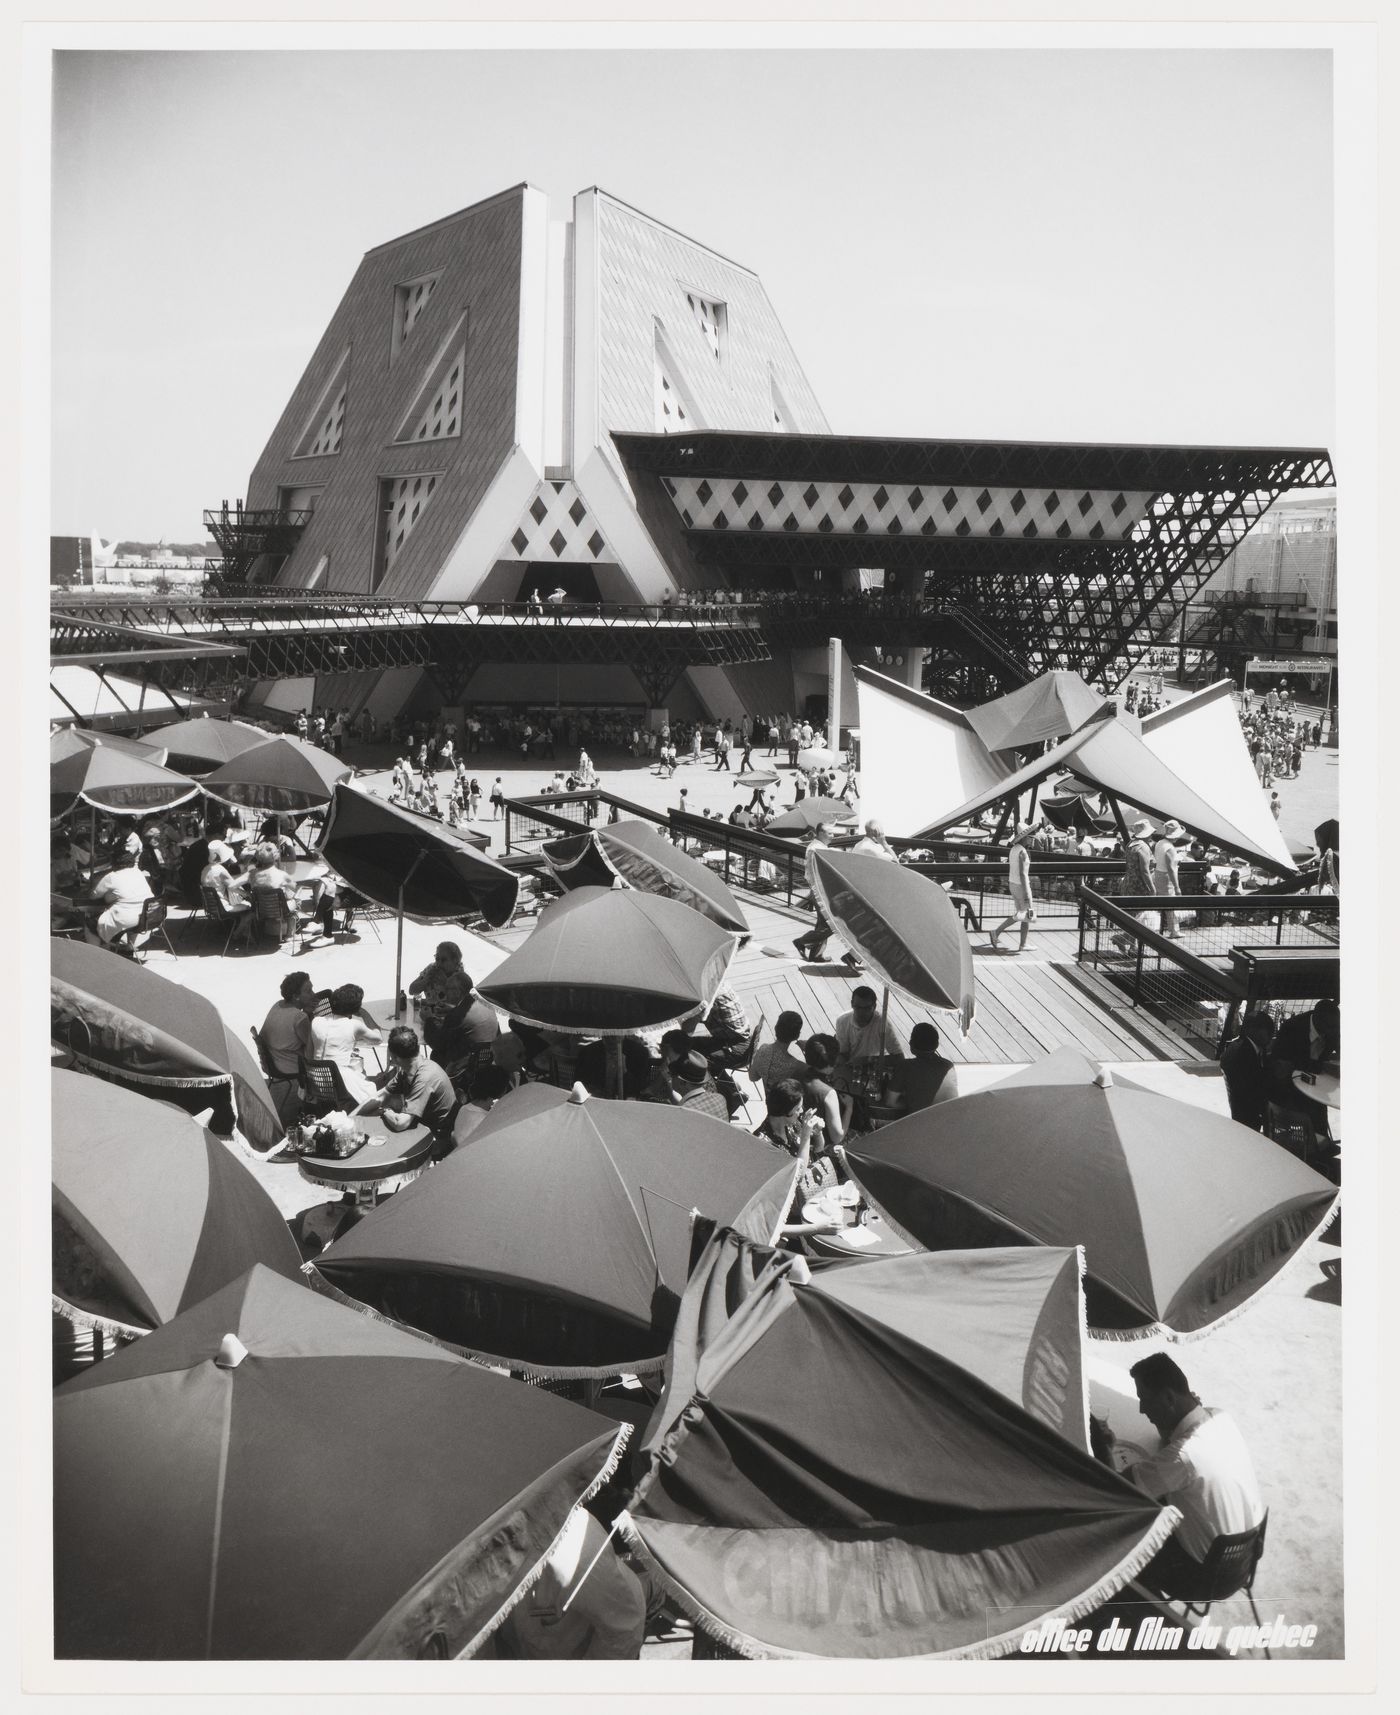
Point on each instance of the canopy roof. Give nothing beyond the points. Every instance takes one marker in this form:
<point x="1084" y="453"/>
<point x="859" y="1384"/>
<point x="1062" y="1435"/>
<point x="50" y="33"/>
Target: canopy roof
<point x="1052" y="706"/>
<point x="150" y="1213"/>
<point x="1201" y="739"/>
<point x="567" y="1220"/>
<point x="859" y="1444"/>
<point x="917" y="755"/>
<point x="1108" y="755"/>
<point x="379" y="849"/>
<point x="1066" y="1153"/>
<point x="272" y="1476"/>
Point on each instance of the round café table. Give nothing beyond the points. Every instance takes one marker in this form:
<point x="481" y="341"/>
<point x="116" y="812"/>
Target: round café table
<point x="388" y="1160"/>
<point x="1326" y="1087"/>
<point x="870" y="1238"/>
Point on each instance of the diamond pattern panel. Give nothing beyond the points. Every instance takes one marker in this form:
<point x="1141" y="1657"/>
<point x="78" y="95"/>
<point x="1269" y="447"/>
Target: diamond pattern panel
<point x="896" y="509"/>
<point x="556" y="525"/>
<point x="322" y="435"/>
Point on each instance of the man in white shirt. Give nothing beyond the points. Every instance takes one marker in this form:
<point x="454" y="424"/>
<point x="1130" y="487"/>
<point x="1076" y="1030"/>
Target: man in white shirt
<point x="1202" y="1468"/>
<point x="858" y="1034"/>
<point x="875" y="843"/>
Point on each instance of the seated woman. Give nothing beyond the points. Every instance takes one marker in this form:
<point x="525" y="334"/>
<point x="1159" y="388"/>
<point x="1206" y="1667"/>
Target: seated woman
<point x="820" y="1053"/>
<point x="343" y="1035"/>
<point x="123" y="891"/>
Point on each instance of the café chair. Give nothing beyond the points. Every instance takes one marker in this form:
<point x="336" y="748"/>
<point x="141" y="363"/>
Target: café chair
<point x="284" y="1090"/>
<point x="324" y="1089"/>
<point x="239" y="923"/>
<point x="273" y="915"/>
<point x="1228" y="1570"/>
<point x="150" y="923"/>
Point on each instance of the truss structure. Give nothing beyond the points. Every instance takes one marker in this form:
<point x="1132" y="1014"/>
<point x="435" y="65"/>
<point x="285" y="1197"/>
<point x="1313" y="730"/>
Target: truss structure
<point x="1044" y="555"/>
<point x="246" y="538"/>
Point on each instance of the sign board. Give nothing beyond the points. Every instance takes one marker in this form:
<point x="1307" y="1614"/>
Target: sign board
<point x="1307" y="666"/>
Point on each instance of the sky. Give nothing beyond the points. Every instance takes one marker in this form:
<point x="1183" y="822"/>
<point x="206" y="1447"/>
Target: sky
<point x="1094" y="245"/>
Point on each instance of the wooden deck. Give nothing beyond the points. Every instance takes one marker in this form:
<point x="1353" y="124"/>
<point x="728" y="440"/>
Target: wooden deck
<point x="1027" y="1003"/>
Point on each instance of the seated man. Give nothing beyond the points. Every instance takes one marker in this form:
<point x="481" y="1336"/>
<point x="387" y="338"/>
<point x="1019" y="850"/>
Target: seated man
<point x="416" y="1092"/>
<point x="874" y="843"/>
<point x="926" y="1077"/>
<point x="1307" y="1042"/>
<point x="858" y="1032"/>
<point x="693" y="1088"/>
<point x="779" y="1059"/>
<point x="444" y="986"/>
<point x="723" y="1034"/>
<point x="1202" y="1468"/>
<point x="1245" y="1064"/>
<point x="464" y="1029"/>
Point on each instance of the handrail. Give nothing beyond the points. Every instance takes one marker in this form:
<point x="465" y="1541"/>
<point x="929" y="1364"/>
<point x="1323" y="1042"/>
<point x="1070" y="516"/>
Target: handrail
<point x="1228" y="987"/>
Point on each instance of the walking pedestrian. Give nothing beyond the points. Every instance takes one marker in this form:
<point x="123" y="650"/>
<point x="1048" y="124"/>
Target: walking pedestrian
<point x="498" y="800"/>
<point x="1166" y="878"/>
<point x="1022" y="898"/>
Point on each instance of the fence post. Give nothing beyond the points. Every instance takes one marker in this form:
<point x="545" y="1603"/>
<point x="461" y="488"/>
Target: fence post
<point x="1137" y="978"/>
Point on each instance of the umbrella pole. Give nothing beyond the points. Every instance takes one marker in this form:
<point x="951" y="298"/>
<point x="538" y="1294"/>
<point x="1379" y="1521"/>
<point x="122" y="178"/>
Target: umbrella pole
<point x="615" y="1057"/>
<point x="884" y="1025"/>
<point x="398" y="949"/>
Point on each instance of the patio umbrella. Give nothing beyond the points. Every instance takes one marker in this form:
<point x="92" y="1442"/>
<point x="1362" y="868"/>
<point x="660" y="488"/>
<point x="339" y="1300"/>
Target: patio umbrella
<point x="150" y="1212"/>
<point x="852" y="1463"/>
<point x="902" y="924"/>
<point x="612" y="961"/>
<point x="809" y="814"/>
<point x="283" y="775"/>
<point x="415" y="865"/>
<point x="117" y="781"/>
<point x="201" y="744"/>
<point x="557" y="1239"/>
<point x="1077" y="810"/>
<point x="273" y="1477"/>
<point x="645" y="859"/>
<point x="133" y="1026"/>
<point x="69" y="740"/>
<point x="1183" y="1214"/>
<point x="755" y="777"/>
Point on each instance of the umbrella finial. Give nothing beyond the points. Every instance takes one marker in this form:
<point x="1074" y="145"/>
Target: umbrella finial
<point x="1103" y="1078"/>
<point x="231" y="1352"/>
<point x="578" y="1095"/>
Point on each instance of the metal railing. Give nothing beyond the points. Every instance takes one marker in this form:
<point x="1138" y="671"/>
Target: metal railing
<point x="982" y="878"/>
<point x="1193" y="987"/>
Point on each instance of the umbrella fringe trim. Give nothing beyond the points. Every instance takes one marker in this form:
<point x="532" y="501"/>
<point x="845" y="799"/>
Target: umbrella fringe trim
<point x="1180" y="1337"/>
<point x="97" y="1324"/>
<point x="159" y="1079"/>
<point x="989" y="1649"/>
<point x="487" y="1360"/>
<point x="536" y="1572"/>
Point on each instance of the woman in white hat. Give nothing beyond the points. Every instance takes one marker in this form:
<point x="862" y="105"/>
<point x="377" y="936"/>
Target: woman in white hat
<point x="1022" y="899"/>
<point x="1165" y="877"/>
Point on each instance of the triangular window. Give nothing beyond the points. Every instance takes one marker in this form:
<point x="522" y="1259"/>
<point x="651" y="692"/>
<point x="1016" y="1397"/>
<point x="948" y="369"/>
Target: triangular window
<point x="410" y="300"/>
<point x="436" y="411"/>
<point x="712" y="317"/>
<point x="402" y="500"/>
<point x="674" y="412"/>
<point x="323" y="431"/>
